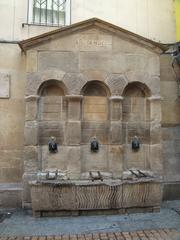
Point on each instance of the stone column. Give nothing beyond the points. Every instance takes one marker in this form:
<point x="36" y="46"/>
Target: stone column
<point x="73" y="135"/>
<point x="31" y="163"/>
<point x="115" y="147"/>
<point x="155" y="134"/>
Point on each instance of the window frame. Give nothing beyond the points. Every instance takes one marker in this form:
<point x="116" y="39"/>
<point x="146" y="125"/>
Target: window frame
<point x="67" y="16"/>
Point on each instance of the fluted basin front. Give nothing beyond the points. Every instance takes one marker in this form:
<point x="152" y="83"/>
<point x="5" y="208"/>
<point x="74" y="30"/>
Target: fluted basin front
<point x="86" y="195"/>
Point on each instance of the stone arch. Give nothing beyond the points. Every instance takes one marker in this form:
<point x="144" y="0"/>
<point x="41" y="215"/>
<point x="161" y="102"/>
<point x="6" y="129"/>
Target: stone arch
<point x="52" y="87"/>
<point x="136" y="89"/>
<point x="95" y="88"/>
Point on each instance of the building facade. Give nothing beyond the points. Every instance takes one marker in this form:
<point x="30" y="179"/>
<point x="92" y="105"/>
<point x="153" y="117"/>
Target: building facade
<point x="177" y="10"/>
<point x="25" y="19"/>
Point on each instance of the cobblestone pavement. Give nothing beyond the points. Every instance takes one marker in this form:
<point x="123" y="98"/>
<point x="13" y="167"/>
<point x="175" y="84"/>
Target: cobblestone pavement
<point x="160" y="234"/>
<point x="165" y="224"/>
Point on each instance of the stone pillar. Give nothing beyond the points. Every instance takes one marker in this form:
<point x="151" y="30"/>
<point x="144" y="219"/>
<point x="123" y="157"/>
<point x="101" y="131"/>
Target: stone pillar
<point x="31" y="163"/>
<point x="73" y="135"/>
<point x="155" y="134"/>
<point x="115" y="147"/>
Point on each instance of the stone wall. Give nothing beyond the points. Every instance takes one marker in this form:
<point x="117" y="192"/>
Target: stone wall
<point x="171" y="128"/>
<point x="12" y="111"/>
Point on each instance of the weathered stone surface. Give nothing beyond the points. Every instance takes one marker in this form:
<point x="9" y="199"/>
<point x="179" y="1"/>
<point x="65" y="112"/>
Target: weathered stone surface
<point x="97" y="161"/>
<point x="156" y="158"/>
<point x="46" y="129"/>
<point x="155" y="133"/>
<point x="155" y="106"/>
<point x="139" y="129"/>
<point x="98" y="129"/>
<point x="94" y="41"/>
<point x="94" y="61"/>
<point x="31" y="164"/>
<point x="66" y="159"/>
<point x="95" y="74"/>
<point x="11" y="197"/>
<point x="65" y="198"/>
<point x="116" y="132"/>
<point x="123" y="45"/>
<point x="95" y="108"/>
<point x="74" y="109"/>
<point x="166" y="70"/>
<point x="32" y="86"/>
<point x="133" y="194"/>
<point x="171" y="191"/>
<point x="31" y="64"/>
<point x="11" y="174"/>
<point x="101" y="195"/>
<point x="73" y="133"/>
<point x="31" y="110"/>
<point x="5" y="85"/>
<point x="74" y="162"/>
<point x="115" y="160"/>
<point x="52" y="108"/>
<point x="115" y="108"/>
<point x="64" y="61"/>
<point x="137" y="159"/>
<point x="54" y="161"/>
<point x="171" y="153"/>
<point x="87" y="40"/>
<point x="74" y="82"/>
<point x="31" y="133"/>
<point x="26" y="188"/>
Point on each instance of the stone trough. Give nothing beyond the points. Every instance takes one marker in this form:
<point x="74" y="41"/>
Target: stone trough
<point x="62" y="198"/>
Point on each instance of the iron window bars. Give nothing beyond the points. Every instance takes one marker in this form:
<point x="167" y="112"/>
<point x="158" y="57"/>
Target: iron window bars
<point x="48" y="12"/>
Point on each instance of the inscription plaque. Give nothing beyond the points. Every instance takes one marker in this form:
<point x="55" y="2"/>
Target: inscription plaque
<point x="4" y="85"/>
<point x="94" y="42"/>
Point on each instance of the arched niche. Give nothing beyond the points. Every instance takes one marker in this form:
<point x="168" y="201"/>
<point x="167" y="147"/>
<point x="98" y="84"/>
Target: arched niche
<point x="136" y="122"/>
<point x="51" y="111"/>
<point x="95" y="122"/>
<point x="95" y="101"/>
<point x="135" y="104"/>
<point x="52" y="88"/>
<point x="95" y="88"/>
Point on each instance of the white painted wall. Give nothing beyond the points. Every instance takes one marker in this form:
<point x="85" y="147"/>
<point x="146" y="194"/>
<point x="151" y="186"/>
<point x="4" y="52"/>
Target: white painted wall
<point x="152" y="19"/>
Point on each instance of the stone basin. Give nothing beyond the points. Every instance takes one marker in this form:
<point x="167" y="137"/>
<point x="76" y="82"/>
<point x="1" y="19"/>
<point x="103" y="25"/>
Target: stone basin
<point x="85" y="197"/>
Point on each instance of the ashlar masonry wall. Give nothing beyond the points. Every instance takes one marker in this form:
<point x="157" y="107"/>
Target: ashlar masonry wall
<point x="80" y="62"/>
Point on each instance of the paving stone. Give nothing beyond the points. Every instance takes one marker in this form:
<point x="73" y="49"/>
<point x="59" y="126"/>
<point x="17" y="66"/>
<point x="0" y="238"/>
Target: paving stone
<point x="88" y="236"/>
<point x="158" y="234"/>
<point x="65" y="237"/>
<point x="73" y="237"/>
<point x="29" y="238"/>
<point x="44" y="238"/>
<point x="34" y="238"/>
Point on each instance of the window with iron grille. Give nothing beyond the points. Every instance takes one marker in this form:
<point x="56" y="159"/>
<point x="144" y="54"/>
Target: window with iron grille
<point x="49" y="12"/>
